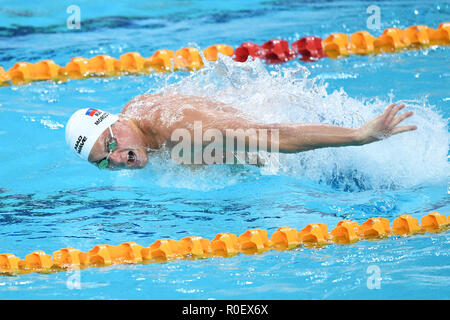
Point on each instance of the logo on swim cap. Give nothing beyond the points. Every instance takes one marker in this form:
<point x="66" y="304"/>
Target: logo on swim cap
<point x="84" y="128"/>
<point x="91" y="112"/>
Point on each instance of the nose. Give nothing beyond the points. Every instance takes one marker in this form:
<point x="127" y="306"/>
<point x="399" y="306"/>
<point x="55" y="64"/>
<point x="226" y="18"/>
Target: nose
<point x="119" y="159"/>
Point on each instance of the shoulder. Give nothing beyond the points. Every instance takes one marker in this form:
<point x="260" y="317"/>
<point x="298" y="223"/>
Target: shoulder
<point x="129" y="106"/>
<point x="141" y="103"/>
<point x="144" y="110"/>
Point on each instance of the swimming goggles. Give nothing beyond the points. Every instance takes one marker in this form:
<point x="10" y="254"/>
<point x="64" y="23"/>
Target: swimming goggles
<point x="111" y="145"/>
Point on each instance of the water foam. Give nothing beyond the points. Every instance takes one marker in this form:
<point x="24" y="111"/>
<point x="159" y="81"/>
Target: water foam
<point x="288" y="94"/>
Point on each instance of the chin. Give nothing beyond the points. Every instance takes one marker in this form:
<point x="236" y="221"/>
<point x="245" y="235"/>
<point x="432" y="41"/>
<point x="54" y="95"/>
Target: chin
<point x="141" y="162"/>
<point x="139" y="166"/>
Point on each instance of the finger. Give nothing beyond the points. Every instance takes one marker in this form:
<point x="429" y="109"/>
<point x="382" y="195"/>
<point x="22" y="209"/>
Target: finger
<point x="402" y="117"/>
<point x="393" y="112"/>
<point x="403" y="129"/>
<point x="388" y="109"/>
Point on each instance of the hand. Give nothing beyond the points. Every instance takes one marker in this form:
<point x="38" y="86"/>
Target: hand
<point x="384" y="125"/>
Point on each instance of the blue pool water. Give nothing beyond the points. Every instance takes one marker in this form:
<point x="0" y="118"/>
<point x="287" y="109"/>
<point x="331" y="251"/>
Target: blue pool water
<point x="50" y="199"/>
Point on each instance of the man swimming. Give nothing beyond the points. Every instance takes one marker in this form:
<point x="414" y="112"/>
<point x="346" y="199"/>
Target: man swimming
<point x="148" y="122"/>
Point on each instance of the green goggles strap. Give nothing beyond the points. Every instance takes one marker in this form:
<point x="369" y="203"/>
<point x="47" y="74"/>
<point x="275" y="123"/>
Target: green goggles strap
<point x="112" y="146"/>
<point x="105" y="162"/>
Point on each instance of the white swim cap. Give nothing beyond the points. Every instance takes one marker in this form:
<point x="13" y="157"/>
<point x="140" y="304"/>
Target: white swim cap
<point x="84" y="127"/>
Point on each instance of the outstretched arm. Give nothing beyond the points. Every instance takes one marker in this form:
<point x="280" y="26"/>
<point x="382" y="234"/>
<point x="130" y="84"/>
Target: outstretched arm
<point x="301" y="137"/>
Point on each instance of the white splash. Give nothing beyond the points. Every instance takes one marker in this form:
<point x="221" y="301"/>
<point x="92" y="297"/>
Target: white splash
<point x="288" y="95"/>
<point x="53" y="125"/>
<point x="168" y="120"/>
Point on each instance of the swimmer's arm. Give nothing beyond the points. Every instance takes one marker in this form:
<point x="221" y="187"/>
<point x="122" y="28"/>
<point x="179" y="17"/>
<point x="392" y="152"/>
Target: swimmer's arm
<point x="302" y="137"/>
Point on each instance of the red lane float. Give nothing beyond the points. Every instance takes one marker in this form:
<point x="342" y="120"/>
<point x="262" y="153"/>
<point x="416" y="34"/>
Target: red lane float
<point x="310" y="48"/>
<point x="278" y="51"/>
<point x="248" y="49"/>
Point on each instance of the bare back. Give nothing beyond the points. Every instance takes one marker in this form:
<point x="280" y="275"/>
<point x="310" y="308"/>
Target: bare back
<point x="160" y="115"/>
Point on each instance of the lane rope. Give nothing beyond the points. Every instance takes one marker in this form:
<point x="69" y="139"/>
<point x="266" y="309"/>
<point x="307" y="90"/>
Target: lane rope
<point x="337" y="45"/>
<point x="254" y="241"/>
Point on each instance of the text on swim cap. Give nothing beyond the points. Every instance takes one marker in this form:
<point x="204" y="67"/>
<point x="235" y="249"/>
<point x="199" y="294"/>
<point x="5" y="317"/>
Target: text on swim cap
<point x="101" y="118"/>
<point x="100" y="114"/>
<point x="80" y="143"/>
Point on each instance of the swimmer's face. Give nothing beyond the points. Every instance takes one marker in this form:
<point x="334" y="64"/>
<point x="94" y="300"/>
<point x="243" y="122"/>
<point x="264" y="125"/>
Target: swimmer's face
<point x="130" y="152"/>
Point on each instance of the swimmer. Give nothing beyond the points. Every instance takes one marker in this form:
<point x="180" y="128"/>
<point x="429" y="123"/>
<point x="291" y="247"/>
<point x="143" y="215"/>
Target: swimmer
<point x="147" y="122"/>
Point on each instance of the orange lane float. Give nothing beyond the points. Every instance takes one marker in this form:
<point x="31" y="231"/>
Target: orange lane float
<point x="104" y="65"/>
<point x="361" y="43"/>
<point x="76" y="68"/>
<point x="346" y="231"/>
<point x="405" y="224"/>
<point x="374" y="228"/>
<point x="67" y="257"/>
<point x="225" y="244"/>
<point x="391" y="40"/>
<point x="314" y="235"/>
<point x="161" y="250"/>
<point x="37" y="261"/>
<point x="255" y="240"/>
<point x="4" y="77"/>
<point x="440" y="36"/>
<point x="336" y="45"/>
<point x="285" y="238"/>
<point x="416" y="36"/>
<point x="44" y="70"/>
<point x="211" y="53"/>
<point x="9" y="263"/>
<point x="132" y="62"/>
<point x="195" y="246"/>
<point x="188" y="59"/>
<point x="161" y="61"/>
<point x="24" y="72"/>
<point x="434" y="222"/>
